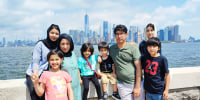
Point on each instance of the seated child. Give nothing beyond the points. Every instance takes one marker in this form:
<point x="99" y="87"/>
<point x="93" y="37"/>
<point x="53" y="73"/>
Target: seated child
<point x="106" y="68"/>
<point x="87" y="66"/>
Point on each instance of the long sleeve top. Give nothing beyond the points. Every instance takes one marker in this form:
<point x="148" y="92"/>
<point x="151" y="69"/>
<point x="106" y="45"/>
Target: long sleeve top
<point x="39" y="59"/>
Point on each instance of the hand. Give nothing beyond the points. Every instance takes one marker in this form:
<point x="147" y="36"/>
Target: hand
<point x="165" y="94"/>
<point x="114" y="75"/>
<point x="34" y="76"/>
<point x="136" y="92"/>
<point x="99" y="60"/>
<point x="81" y="82"/>
<point x="100" y="74"/>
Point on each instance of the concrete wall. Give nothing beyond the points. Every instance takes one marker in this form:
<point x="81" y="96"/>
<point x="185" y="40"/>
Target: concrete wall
<point x="184" y="85"/>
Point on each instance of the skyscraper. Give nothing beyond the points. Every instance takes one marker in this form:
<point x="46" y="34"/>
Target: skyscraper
<point x="171" y="28"/>
<point x="176" y="37"/>
<point x="105" y="30"/>
<point x="166" y="34"/>
<point x="4" y="41"/>
<point x="87" y="30"/>
<point x="161" y="35"/>
<point x="132" y="30"/>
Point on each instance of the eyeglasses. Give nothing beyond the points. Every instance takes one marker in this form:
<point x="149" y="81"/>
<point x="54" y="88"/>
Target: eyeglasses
<point x="119" y="34"/>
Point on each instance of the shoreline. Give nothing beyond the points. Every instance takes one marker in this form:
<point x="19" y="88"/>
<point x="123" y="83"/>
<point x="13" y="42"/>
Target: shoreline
<point x="184" y="84"/>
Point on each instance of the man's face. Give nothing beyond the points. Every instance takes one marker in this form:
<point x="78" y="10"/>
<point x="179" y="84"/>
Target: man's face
<point x="120" y="36"/>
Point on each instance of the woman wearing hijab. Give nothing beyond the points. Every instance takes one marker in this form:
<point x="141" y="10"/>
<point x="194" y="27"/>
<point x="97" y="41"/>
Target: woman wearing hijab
<point x="70" y="64"/>
<point x="39" y="59"/>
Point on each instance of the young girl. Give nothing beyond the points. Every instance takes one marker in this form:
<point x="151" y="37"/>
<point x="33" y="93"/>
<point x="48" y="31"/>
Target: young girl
<point x="55" y="83"/>
<point x="86" y="64"/>
<point x="40" y="57"/>
<point x="150" y="32"/>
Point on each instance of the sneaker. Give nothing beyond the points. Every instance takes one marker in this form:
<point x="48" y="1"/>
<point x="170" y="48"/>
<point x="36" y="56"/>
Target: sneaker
<point x="105" y="96"/>
<point x="116" y="96"/>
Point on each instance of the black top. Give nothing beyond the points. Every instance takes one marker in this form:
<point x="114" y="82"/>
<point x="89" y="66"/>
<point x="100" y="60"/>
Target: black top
<point x="143" y="49"/>
<point x="106" y="65"/>
<point x="154" y="73"/>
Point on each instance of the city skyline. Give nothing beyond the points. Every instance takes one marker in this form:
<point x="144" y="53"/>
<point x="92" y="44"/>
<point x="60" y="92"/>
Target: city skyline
<point x="29" y="19"/>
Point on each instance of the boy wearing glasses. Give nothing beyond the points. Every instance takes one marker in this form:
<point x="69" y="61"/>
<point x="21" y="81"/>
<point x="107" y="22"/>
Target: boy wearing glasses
<point x="106" y="68"/>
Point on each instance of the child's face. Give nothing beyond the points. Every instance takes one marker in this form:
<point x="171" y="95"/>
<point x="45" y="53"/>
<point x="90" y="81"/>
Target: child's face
<point x="149" y="32"/>
<point x="87" y="53"/>
<point x="103" y="51"/>
<point x="55" y="62"/>
<point x="65" y="45"/>
<point x="153" y="50"/>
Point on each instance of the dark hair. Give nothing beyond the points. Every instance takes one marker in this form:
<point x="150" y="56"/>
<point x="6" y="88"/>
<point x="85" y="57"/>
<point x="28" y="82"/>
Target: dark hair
<point x="55" y="52"/>
<point x="85" y="46"/>
<point x="120" y="28"/>
<point x="150" y="25"/>
<point x="103" y="45"/>
<point x="53" y="26"/>
<point x="154" y="41"/>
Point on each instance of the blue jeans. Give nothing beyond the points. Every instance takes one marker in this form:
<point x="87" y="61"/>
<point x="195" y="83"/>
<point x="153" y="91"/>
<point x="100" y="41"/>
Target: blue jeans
<point x="154" y="96"/>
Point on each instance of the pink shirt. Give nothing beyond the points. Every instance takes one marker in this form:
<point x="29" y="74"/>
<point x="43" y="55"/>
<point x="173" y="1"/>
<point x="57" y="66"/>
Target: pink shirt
<point x="55" y="84"/>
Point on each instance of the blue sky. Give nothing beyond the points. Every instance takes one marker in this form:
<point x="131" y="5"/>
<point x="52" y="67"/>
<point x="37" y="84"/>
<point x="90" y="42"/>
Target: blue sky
<point x="29" y="19"/>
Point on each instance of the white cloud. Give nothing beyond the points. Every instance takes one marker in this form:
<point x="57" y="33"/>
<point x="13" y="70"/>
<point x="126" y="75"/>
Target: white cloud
<point x="35" y="16"/>
<point x="49" y="13"/>
<point x="42" y="4"/>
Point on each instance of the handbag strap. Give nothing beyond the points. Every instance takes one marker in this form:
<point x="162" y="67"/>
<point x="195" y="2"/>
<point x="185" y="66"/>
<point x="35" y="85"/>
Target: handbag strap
<point x="89" y="64"/>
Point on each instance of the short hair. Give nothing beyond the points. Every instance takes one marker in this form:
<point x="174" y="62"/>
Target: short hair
<point x="55" y="52"/>
<point x="103" y="45"/>
<point x="120" y="28"/>
<point x="85" y="46"/>
<point x="154" y="41"/>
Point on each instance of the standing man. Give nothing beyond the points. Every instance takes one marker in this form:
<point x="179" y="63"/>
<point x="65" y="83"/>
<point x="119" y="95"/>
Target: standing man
<point x="128" y="68"/>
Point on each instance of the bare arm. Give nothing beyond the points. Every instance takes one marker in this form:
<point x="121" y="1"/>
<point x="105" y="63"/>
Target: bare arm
<point x="70" y="92"/>
<point x="167" y="81"/>
<point x="39" y="89"/>
<point x="79" y="75"/>
<point x="114" y="74"/>
<point x="136" y="90"/>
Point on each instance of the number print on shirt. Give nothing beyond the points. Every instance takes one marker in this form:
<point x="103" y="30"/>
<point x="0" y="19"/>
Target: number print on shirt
<point x="151" y="67"/>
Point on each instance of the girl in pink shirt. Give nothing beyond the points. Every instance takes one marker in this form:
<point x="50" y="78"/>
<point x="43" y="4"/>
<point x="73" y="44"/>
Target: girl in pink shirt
<point x="55" y="83"/>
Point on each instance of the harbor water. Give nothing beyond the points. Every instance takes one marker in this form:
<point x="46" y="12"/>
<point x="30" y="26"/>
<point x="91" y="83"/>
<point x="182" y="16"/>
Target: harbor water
<point x="15" y="60"/>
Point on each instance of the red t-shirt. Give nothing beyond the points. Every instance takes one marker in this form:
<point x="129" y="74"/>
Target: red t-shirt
<point x="55" y="84"/>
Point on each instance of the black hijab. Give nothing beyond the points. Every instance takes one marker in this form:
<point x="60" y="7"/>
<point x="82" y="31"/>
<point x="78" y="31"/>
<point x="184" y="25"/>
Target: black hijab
<point x="68" y="37"/>
<point x="47" y="42"/>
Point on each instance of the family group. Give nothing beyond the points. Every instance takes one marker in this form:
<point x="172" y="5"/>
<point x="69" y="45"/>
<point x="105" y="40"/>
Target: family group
<point x="135" y="73"/>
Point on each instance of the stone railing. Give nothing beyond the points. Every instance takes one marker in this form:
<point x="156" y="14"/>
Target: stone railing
<point x="184" y="85"/>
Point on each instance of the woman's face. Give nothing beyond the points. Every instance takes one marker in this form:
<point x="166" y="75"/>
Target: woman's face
<point x="54" y="34"/>
<point x="65" y="45"/>
<point x="149" y="32"/>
